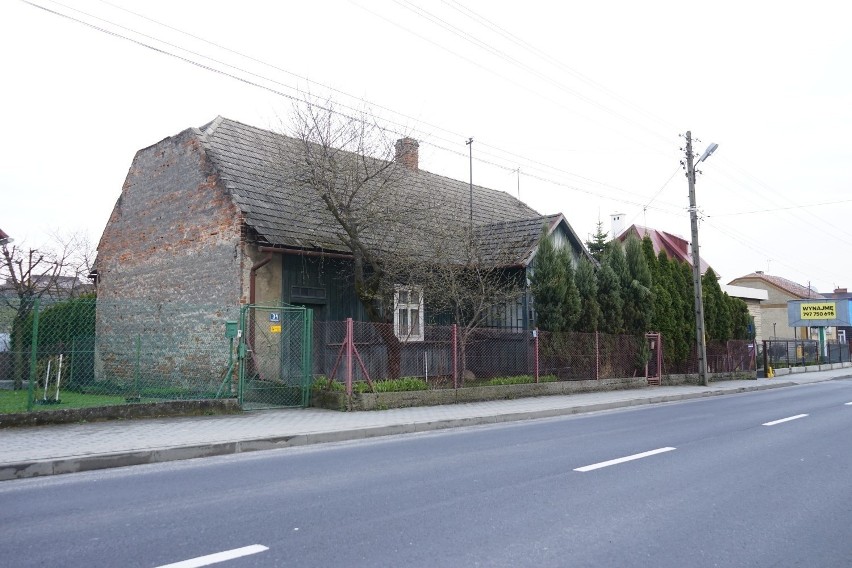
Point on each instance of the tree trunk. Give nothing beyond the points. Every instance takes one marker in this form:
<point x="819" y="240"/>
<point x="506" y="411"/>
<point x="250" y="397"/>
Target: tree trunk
<point x="462" y="358"/>
<point x="394" y="349"/>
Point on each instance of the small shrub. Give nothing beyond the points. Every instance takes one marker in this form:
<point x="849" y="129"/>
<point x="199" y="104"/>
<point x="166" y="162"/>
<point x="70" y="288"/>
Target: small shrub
<point x="321" y="383"/>
<point x="519" y="380"/>
<point x="393" y="385"/>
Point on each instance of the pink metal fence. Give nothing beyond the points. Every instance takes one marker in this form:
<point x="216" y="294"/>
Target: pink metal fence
<point x="451" y="356"/>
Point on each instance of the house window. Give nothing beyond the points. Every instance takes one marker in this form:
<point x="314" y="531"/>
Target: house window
<point x="408" y="313"/>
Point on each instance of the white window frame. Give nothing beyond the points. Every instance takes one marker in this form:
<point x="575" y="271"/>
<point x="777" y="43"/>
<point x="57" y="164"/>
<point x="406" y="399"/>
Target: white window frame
<point x="413" y="303"/>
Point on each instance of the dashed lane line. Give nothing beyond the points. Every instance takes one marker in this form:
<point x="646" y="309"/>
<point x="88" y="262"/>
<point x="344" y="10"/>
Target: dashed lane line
<point x="624" y="459"/>
<point x="217" y="557"/>
<point x="789" y="418"/>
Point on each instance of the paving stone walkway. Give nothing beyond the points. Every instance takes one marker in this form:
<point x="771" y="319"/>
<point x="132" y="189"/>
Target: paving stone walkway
<point x="66" y="448"/>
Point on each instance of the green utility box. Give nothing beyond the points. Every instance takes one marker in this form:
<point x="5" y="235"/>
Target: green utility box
<point x="230" y="329"/>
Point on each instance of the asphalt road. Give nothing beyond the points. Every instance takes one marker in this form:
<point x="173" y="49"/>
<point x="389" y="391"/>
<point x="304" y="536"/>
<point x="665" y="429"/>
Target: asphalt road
<point x="710" y="482"/>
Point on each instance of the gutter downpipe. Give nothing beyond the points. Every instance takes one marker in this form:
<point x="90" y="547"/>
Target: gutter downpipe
<point x="253" y="273"/>
<point x="252" y="296"/>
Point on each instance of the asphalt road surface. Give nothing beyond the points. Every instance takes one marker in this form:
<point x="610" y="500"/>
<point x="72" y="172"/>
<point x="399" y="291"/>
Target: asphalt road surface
<point x="757" y="479"/>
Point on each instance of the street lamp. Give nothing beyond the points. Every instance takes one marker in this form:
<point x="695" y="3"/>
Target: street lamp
<point x="696" y="258"/>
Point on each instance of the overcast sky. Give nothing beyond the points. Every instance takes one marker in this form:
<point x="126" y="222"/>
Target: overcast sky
<point x="587" y="98"/>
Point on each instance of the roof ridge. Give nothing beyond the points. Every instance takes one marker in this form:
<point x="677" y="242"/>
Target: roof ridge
<point x="209" y="128"/>
<point x="790" y="286"/>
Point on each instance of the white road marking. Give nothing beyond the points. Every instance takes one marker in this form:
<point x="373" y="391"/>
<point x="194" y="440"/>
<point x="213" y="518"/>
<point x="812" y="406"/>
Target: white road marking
<point x="622" y="460"/>
<point x="774" y="422"/>
<point x="849" y="404"/>
<point x="218" y="557"/>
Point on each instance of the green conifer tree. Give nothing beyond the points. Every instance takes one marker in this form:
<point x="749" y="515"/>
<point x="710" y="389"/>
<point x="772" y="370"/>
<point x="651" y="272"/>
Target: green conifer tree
<point x="548" y="286"/>
<point x="650" y="257"/>
<point x="717" y="317"/>
<point x="609" y="299"/>
<point x="740" y="318"/>
<point x="684" y="273"/>
<point x="669" y="311"/>
<point x="638" y="300"/>
<point x="571" y="305"/>
<point x="587" y="286"/>
<point x="615" y="258"/>
<point x="598" y="244"/>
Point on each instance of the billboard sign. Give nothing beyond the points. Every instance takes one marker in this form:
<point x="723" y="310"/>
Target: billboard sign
<point x="819" y="313"/>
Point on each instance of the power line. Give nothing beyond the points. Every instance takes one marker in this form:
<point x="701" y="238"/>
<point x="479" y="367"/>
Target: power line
<point x="647" y="205"/>
<point x="485" y="22"/>
<point x="768" y="194"/>
<point x="531" y="164"/>
<point x="772" y="210"/>
<point x="748" y="243"/>
<point x="512" y="61"/>
<point x="299" y="98"/>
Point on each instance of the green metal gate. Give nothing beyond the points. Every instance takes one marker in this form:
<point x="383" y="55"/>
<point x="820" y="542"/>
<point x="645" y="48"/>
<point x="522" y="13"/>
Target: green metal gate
<point x="275" y="356"/>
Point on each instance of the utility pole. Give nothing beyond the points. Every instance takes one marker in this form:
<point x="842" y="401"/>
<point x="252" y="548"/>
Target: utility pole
<point x="696" y="266"/>
<point x="470" y="145"/>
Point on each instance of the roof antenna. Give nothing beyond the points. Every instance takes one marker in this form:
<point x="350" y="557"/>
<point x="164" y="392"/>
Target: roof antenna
<point x="519" y="182"/>
<point x="470" y="145"/>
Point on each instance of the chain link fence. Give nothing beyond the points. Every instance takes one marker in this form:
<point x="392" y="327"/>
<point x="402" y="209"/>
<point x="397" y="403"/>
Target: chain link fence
<point x="365" y="352"/>
<point x="362" y="356"/>
<point x="582" y="356"/>
<point x="274" y="357"/>
<point x="732" y="356"/>
<point x="86" y="352"/>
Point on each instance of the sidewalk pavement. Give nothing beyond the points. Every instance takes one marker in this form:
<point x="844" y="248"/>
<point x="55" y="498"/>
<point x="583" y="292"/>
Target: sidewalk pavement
<point x="68" y="448"/>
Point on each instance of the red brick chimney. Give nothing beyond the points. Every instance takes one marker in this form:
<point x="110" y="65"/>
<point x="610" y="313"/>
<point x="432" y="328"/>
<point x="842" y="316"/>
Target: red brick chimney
<point x="407" y="153"/>
<point x="840" y="291"/>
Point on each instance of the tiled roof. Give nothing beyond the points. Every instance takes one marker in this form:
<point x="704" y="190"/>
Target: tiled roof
<point x="838" y="295"/>
<point x="513" y="239"/>
<point x="675" y="247"/>
<point x="259" y="169"/>
<point x="788" y="286"/>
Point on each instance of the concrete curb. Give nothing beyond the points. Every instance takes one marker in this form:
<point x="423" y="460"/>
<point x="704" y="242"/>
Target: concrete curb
<point x="76" y="464"/>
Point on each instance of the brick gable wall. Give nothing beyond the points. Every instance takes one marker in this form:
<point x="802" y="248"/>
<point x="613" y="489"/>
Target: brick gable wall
<point x="170" y="264"/>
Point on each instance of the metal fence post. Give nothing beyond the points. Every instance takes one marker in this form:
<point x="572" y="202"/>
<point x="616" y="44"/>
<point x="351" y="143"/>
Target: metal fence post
<point x="535" y="336"/>
<point x="242" y="336"/>
<point x="455" y="347"/>
<point x="307" y="357"/>
<point x="136" y="366"/>
<point x="349" y="344"/>
<point x="33" y="357"/>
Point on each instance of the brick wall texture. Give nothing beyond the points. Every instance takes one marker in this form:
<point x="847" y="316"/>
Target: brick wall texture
<point x="170" y="267"/>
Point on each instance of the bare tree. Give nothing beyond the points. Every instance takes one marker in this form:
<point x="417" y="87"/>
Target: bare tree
<point x="474" y="276"/>
<point x="53" y="271"/>
<point x="348" y="162"/>
<point x="400" y="234"/>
